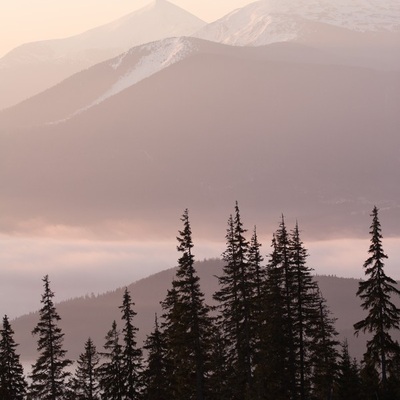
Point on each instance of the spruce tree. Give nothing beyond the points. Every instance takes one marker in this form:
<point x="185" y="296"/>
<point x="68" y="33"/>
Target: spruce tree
<point x="235" y="307"/>
<point x="284" y="269"/>
<point x="257" y="298"/>
<point x="348" y="379"/>
<point x="323" y="351"/>
<point x="173" y="328"/>
<point x="305" y="312"/>
<point x="257" y="274"/>
<point x="131" y="354"/>
<point x="370" y="380"/>
<point x="297" y="322"/>
<point x="383" y="316"/>
<point x="85" y="384"/>
<point x="272" y="372"/>
<point x="156" y="383"/>
<point x="49" y="373"/>
<point x="303" y="283"/>
<point x="221" y="370"/>
<point x="12" y="380"/>
<point x="186" y="324"/>
<point x="110" y="371"/>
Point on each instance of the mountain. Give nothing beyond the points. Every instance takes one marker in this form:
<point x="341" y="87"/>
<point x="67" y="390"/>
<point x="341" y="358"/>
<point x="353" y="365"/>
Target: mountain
<point x="93" y="86"/>
<point x="34" y="67"/>
<point x="281" y="128"/>
<point x="92" y="315"/>
<point x="269" y="21"/>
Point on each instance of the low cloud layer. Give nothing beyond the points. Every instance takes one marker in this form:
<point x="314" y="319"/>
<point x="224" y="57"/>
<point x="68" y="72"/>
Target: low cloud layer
<point x="78" y="267"/>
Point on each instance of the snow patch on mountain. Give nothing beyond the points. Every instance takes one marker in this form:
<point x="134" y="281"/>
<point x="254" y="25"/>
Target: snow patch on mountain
<point x="157" y="56"/>
<point x="154" y="57"/>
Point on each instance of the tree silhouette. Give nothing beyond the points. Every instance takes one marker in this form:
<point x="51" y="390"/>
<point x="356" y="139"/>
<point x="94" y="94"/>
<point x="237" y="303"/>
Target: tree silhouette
<point x="49" y="373"/>
<point x="12" y="381"/>
<point x="235" y="306"/>
<point x="85" y="384"/>
<point x="110" y="372"/>
<point x="156" y="372"/>
<point x="131" y="354"/>
<point x="186" y="324"/>
<point x="383" y="315"/>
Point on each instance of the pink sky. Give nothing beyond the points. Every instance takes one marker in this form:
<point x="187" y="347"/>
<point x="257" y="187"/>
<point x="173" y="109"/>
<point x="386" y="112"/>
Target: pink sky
<point x="78" y="265"/>
<point x="23" y="21"/>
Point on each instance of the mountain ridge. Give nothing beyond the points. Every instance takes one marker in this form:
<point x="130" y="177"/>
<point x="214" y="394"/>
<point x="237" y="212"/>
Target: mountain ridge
<point x="34" y="67"/>
<point x="238" y="26"/>
<point x="92" y="315"/>
<point x="147" y="127"/>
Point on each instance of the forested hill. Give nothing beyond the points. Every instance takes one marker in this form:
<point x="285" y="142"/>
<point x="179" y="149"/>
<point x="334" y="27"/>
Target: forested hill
<point x="93" y="315"/>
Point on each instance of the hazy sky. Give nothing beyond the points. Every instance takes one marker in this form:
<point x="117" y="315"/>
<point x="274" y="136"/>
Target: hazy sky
<point x="23" y="21"/>
<point x="83" y="267"/>
<point x="79" y="265"/>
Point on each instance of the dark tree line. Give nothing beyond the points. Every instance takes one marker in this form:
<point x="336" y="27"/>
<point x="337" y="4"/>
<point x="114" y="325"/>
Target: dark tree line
<point x="270" y="336"/>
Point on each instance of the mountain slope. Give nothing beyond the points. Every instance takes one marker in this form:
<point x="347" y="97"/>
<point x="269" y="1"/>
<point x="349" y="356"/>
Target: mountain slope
<point x="33" y="67"/>
<point x="92" y="316"/>
<point x="212" y="128"/>
<point x="89" y="88"/>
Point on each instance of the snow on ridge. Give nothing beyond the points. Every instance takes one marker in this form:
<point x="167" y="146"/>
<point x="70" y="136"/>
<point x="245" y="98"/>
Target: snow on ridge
<point x="267" y="21"/>
<point x="359" y="15"/>
<point x="158" y="55"/>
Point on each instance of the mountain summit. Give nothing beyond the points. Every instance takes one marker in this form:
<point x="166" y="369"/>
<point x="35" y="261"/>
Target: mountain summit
<point x="34" y="67"/>
<point x="269" y="21"/>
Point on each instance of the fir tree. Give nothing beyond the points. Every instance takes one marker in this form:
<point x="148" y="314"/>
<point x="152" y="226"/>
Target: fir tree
<point x="131" y="355"/>
<point x="156" y="372"/>
<point x="49" y="373"/>
<point x="110" y="372"/>
<point x="85" y="384"/>
<point x="383" y="315"/>
<point x="187" y="324"/>
<point x="12" y="381"/>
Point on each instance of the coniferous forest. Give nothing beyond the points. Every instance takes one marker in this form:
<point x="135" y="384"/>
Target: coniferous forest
<point x="270" y="336"/>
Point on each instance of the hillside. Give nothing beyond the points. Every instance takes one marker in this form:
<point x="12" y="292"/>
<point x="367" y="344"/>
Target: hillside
<point x="220" y="125"/>
<point x="92" y="316"/>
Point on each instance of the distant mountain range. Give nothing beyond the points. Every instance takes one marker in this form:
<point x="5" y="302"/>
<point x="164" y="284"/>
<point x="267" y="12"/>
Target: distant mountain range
<point x="191" y="123"/>
<point x="92" y="316"/>
<point x="134" y="121"/>
<point x="270" y="21"/>
<point x="34" y="67"/>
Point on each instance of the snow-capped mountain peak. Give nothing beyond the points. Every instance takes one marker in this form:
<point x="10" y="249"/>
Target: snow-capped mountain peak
<point x="268" y="21"/>
<point x="34" y="67"/>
